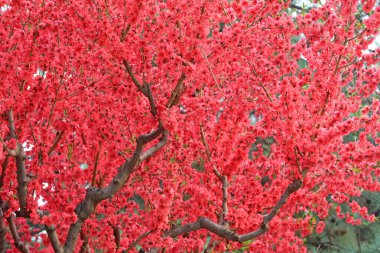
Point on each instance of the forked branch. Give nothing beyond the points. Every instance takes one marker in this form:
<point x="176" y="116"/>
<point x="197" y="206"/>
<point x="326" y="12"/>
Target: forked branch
<point x="95" y="195"/>
<point x="145" y="88"/>
<point x="20" y="157"/>
<point x="20" y="245"/>
<point x="229" y="234"/>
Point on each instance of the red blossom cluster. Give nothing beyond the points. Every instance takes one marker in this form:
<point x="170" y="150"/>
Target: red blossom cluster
<point x="125" y="124"/>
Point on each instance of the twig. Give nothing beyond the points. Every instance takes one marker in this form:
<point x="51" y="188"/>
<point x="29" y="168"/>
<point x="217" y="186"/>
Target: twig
<point x="348" y="64"/>
<point x="139" y="239"/>
<point x="21" y="246"/>
<point x="293" y="6"/>
<point x="58" y="137"/>
<point x="223" y="180"/>
<point x="356" y="36"/>
<point x="208" y="153"/>
<point x="124" y="33"/>
<point x="96" y="164"/>
<point x="337" y="64"/>
<point x="209" y="66"/>
<point x="122" y="154"/>
<point x="262" y="85"/>
<point x="177" y="92"/>
<point x="54" y="103"/>
<point x="325" y="103"/>
<point x="229" y="234"/>
<point x="297" y="162"/>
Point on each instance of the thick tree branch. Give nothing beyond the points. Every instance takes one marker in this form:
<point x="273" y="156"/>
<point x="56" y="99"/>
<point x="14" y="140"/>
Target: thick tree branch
<point x="11" y="121"/>
<point x="20" y="165"/>
<point x="3" y="232"/>
<point x="145" y="88"/>
<point x="291" y="188"/>
<point x="116" y="234"/>
<point x="21" y="246"/>
<point x="53" y="237"/>
<point x="95" y="195"/>
<point x="155" y="148"/>
<point x="228" y="234"/>
<point x="3" y="169"/>
<point x="85" y="248"/>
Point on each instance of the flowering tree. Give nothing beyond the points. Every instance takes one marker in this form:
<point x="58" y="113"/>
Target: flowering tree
<point x="183" y="125"/>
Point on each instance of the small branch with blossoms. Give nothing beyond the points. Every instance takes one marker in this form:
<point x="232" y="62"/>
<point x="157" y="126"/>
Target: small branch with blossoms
<point x="177" y="92"/>
<point x="142" y="236"/>
<point x="223" y="179"/>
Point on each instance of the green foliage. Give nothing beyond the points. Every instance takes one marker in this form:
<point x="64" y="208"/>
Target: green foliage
<point x="264" y="144"/>
<point x="198" y="165"/>
<point x="138" y="200"/>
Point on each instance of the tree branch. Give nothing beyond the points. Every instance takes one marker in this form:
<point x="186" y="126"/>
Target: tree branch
<point x="20" y="165"/>
<point x="116" y="234"/>
<point x="3" y="242"/>
<point x="145" y="88"/>
<point x="95" y="195"/>
<point x="223" y="180"/>
<point x="155" y="148"/>
<point x="224" y="201"/>
<point x="293" y="6"/>
<point x="11" y="121"/>
<point x="85" y="248"/>
<point x="3" y="169"/>
<point x="177" y="92"/>
<point x="58" y="137"/>
<point x="53" y="237"/>
<point x="228" y="234"/>
<point x="291" y="188"/>
<point x="203" y="138"/>
<point x="209" y="66"/>
<point x="21" y="246"/>
<point x="138" y="240"/>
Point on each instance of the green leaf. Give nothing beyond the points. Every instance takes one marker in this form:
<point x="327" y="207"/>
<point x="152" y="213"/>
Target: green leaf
<point x="302" y="63"/>
<point x="198" y="166"/>
<point x="138" y="200"/>
<point x="294" y="39"/>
